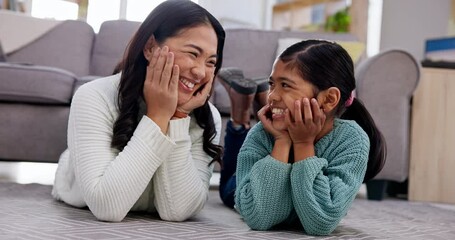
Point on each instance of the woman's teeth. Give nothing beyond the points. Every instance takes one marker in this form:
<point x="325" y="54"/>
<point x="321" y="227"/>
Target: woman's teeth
<point x="187" y="83"/>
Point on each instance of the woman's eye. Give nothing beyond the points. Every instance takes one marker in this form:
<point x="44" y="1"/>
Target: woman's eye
<point x="270" y="83"/>
<point x="193" y="54"/>
<point x="284" y="85"/>
<point x="212" y="63"/>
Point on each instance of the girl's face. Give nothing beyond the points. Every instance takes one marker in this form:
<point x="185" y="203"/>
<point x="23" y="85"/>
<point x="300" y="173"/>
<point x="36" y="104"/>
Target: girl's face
<point x="286" y="86"/>
<point x="195" y="51"/>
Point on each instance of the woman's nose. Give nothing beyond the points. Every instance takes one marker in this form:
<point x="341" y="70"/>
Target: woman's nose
<point x="198" y="71"/>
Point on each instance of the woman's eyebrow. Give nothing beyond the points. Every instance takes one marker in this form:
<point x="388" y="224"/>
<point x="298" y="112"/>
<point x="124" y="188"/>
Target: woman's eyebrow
<point x="199" y="49"/>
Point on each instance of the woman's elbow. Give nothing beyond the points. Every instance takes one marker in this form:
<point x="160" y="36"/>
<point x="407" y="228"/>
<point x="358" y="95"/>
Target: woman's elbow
<point x="177" y="216"/>
<point x="109" y="216"/>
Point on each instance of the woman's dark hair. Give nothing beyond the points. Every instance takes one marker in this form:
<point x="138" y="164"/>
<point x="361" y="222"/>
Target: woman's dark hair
<point x="167" y="20"/>
<point x="326" y="64"/>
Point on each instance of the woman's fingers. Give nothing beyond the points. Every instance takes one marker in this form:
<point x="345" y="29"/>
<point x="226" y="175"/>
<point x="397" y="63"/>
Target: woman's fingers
<point x="159" y="65"/>
<point x="167" y="74"/>
<point x="174" y="82"/>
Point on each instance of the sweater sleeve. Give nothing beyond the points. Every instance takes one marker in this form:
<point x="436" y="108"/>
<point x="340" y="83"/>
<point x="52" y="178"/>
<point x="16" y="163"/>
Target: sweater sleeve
<point x="182" y="182"/>
<point x="111" y="182"/>
<point x="323" y="188"/>
<point x="263" y="194"/>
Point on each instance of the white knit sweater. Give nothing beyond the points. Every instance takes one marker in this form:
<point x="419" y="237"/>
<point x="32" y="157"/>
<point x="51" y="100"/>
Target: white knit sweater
<point x="154" y="172"/>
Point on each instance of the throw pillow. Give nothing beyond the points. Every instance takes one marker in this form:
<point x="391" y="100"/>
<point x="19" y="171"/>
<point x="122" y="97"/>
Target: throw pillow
<point x="355" y="49"/>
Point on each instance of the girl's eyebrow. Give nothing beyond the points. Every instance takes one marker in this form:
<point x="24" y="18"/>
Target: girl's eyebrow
<point x="199" y="49"/>
<point x="287" y="80"/>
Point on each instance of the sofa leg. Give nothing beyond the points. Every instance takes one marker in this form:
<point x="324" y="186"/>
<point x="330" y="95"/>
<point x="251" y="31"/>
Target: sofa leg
<point x="376" y="189"/>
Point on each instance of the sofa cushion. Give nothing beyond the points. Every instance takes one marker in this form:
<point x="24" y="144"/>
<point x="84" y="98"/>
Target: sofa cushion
<point x="110" y="44"/>
<point x="67" y="46"/>
<point x="35" y="84"/>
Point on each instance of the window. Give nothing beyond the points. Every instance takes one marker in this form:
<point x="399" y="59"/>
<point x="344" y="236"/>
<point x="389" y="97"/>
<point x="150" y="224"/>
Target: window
<point x="54" y="9"/>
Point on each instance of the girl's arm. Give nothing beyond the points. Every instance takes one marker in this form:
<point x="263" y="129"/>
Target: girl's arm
<point x="111" y="182"/>
<point x="263" y="194"/>
<point x="323" y="188"/>
<point x="181" y="183"/>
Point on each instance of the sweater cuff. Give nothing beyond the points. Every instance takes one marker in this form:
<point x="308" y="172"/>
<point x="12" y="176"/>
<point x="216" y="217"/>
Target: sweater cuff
<point x="311" y="166"/>
<point x="272" y="168"/>
<point x="179" y="129"/>
<point x="151" y="134"/>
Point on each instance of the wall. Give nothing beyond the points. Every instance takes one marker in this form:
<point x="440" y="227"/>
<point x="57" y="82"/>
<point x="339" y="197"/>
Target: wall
<point x="406" y="24"/>
<point x="241" y="13"/>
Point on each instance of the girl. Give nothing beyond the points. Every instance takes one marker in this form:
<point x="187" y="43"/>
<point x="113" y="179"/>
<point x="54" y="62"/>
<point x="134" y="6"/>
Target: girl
<point x="143" y="139"/>
<point x="315" y="143"/>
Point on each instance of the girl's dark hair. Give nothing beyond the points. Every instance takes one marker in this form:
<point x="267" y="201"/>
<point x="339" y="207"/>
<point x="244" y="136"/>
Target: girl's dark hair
<point x="326" y="64"/>
<point x="167" y="20"/>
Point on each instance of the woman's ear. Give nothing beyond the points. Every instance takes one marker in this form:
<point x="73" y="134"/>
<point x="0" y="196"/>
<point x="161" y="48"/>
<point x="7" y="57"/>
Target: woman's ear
<point x="148" y="48"/>
<point x="330" y="99"/>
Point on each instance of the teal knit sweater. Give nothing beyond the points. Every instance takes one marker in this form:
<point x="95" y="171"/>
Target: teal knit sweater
<point x="319" y="189"/>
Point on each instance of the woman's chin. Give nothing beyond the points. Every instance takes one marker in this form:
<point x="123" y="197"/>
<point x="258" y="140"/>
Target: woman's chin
<point x="183" y="98"/>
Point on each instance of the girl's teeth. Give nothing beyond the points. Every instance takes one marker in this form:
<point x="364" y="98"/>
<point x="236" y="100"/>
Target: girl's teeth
<point x="277" y="111"/>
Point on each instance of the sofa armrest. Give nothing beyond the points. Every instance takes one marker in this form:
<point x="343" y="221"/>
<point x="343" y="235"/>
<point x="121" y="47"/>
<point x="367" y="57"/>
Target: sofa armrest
<point x="35" y="84"/>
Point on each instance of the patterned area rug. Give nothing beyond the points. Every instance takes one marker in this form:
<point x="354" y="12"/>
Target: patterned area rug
<point x="29" y="212"/>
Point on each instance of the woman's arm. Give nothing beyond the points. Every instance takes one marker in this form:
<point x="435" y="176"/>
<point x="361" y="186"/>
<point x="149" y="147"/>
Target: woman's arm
<point x="263" y="194"/>
<point x="182" y="182"/>
<point x="110" y="181"/>
<point x="323" y="188"/>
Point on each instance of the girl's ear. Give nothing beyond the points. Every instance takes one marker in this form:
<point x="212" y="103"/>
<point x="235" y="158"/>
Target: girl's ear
<point x="148" y="48"/>
<point x="329" y="99"/>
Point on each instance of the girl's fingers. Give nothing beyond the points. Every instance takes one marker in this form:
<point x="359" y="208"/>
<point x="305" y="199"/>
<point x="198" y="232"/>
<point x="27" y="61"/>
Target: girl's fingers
<point x="298" y="111"/>
<point x="287" y="117"/>
<point x="262" y="113"/>
<point x="307" y="114"/>
<point x="316" y="110"/>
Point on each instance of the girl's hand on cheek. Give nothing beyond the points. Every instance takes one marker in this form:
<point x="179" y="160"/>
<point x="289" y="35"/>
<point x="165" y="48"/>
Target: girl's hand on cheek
<point x="160" y="87"/>
<point x="306" y="122"/>
<point x="268" y="126"/>
<point x="197" y="100"/>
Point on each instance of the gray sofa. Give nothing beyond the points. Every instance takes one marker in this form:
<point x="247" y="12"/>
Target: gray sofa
<point x="37" y="83"/>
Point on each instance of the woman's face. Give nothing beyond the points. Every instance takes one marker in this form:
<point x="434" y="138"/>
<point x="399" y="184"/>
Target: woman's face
<point x="286" y="86"/>
<point x="195" y="51"/>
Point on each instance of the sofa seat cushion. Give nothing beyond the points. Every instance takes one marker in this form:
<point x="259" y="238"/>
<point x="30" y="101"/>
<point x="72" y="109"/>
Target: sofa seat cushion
<point x="35" y="84"/>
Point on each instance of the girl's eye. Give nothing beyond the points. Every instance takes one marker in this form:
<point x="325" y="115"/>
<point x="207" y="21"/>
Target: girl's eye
<point x="284" y="85"/>
<point x="271" y="83"/>
<point x="193" y="54"/>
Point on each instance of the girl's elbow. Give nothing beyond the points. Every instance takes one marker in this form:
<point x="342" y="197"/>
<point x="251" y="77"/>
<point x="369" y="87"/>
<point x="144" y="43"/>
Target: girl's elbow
<point x="319" y="231"/>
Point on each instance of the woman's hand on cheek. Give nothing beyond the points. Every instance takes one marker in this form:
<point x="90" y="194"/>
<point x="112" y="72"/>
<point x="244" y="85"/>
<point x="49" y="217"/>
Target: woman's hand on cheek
<point x="160" y="87"/>
<point x="306" y="122"/>
<point x="264" y="115"/>
<point x="198" y="99"/>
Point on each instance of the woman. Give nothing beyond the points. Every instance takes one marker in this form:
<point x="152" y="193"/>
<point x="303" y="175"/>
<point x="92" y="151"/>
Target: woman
<point x="144" y="139"/>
